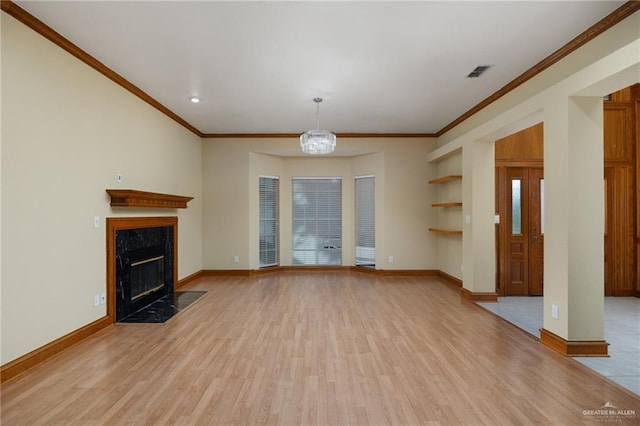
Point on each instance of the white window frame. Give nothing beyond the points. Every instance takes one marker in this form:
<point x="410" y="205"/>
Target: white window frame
<point x="316" y="225"/>
<point x="364" y="222"/>
<point x="269" y="227"/>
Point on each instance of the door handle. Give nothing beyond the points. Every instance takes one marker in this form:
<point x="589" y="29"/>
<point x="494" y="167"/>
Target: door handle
<point x="535" y="238"/>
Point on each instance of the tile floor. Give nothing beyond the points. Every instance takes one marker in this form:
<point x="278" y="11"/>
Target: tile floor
<point x="621" y="331"/>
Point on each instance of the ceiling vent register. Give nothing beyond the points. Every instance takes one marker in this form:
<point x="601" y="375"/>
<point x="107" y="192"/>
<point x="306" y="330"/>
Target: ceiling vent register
<point x="478" y="71"/>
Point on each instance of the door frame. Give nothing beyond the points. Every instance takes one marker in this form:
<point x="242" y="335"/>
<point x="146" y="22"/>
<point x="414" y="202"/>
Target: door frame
<point x="502" y="207"/>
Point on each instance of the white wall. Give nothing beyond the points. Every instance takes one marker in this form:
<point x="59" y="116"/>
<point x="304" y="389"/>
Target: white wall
<point x="231" y="168"/>
<point x="66" y="131"/>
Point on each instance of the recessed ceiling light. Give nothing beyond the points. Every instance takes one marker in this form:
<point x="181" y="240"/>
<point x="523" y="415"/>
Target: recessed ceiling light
<point x="194" y="99"/>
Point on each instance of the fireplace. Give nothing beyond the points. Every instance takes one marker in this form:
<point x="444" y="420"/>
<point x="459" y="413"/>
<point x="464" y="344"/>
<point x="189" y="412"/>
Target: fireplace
<point x="141" y="262"/>
<point x="140" y="272"/>
<point x="147" y="277"/>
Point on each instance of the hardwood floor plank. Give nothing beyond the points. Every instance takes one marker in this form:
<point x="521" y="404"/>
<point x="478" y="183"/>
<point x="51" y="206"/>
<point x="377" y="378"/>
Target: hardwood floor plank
<point x="320" y="348"/>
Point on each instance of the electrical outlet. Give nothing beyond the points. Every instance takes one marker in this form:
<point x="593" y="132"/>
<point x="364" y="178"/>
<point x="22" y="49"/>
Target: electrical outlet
<point x="391" y="259"/>
<point x="103" y="298"/>
<point x="554" y="311"/>
<point x="236" y="259"/>
<point x="96" y="299"/>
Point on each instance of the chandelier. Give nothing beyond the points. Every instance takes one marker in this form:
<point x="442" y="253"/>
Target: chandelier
<point x="318" y="141"/>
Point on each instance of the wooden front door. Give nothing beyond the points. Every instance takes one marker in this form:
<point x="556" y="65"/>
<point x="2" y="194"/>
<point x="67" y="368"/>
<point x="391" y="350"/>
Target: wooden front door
<point x="524" y="229"/>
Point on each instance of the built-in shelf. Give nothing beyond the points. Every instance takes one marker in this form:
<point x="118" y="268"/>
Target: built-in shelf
<point x="446" y="231"/>
<point x="445" y="179"/>
<point x="135" y="198"/>
<point x="445" y="205"/>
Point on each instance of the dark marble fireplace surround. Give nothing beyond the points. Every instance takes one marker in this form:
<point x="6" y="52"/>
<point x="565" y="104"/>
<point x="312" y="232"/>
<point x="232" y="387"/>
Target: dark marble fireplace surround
<point x="133" y="246"/>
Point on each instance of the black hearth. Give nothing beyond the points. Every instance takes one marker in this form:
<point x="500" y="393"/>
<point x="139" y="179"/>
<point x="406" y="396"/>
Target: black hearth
<point x="164" y="308"/>
<point x="144" y="268"/>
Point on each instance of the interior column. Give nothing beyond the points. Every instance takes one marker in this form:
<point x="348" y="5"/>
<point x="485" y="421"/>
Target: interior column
<point x="574" y="227"/>
<point x="478" y="230"/>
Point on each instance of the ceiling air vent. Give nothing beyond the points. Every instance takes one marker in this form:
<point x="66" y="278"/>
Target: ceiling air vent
<point x="477" y="72"/>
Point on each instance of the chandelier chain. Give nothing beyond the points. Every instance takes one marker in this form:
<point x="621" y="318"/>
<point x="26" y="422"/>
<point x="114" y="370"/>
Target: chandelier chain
<point x="317" y="101"/>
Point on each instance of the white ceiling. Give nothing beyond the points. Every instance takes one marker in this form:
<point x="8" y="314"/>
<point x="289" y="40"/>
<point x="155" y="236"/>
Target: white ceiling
<point x="381" y="67"/>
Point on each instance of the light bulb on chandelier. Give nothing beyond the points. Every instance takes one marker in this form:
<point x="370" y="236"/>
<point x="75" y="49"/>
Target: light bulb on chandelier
<point x="318" y="141"/>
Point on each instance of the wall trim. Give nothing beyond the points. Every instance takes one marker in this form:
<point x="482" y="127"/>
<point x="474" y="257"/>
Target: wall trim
<point x="624" y="11"/>
<point x="621" y="13"/>
<point x="48" y="351"/>
<point x="44" y="353"/>
<point x="478" y="297"/>
<point x="272" y="269"/>
<point x="313" y="268"/>
<point x="595" y="348"/>
<point x="297" y="135"/>
<point x="366" y="270"/>
<point x="225" y="272"/>
<point x="409" y="272"/>
<point x="189" y="279"/>
<point x="56" y="38"/>
<point x="450" y="278"/>
<point x="319" y="268"/>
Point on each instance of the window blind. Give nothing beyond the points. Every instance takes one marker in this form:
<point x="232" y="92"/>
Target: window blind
<point x="365" y="226"/>
<point x="269" y="205"/>
<point x="317" y="221"/>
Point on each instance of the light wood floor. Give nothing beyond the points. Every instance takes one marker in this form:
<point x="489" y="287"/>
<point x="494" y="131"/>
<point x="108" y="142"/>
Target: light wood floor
<point x="328" y="348"/>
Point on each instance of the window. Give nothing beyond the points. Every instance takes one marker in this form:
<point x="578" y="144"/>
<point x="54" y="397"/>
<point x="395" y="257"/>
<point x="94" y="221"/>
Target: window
<point x="269" y="187"/>
<point x="365" y="225"/>
<point x="317" y="221"/>
<point x="516" y="207"/>
<point x="542" y="206"/>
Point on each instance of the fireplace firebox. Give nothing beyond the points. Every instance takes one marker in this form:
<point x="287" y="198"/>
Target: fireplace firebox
<point x="147" y="276"/>
<point x="143" y="268"/>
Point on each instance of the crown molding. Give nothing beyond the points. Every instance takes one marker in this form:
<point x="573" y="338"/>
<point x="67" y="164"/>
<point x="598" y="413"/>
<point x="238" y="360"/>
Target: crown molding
<point x="50" y="34"/>
<point x="624" y="11"/>
<point x="297" y="135"/>
<point x="248" y="135"/>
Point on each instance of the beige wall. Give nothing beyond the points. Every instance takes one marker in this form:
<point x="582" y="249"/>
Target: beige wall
<point x="66" y="132"/>
<point x="225" y="208"/>
<point x="509" y="109"/>
<point x="66" y="128"/>
<point x="449" y="246"/>
<point x="231" y="168"/>
<point x="608" y="63"/>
